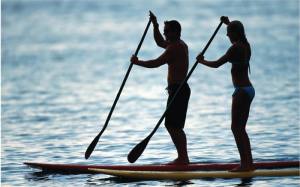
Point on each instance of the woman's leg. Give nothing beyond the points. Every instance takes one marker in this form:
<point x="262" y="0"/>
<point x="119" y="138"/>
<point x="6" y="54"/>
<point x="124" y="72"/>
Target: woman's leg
<point x="240" y="112"/>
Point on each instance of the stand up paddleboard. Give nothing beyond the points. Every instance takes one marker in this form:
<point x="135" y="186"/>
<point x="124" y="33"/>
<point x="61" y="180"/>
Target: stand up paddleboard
<point x="188" y="175"/>
<point x="81" y="169"/>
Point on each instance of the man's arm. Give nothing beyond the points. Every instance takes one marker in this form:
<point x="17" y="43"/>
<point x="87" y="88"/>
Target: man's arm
<point x="161" y="60"/>
<point x="160" y="41"/>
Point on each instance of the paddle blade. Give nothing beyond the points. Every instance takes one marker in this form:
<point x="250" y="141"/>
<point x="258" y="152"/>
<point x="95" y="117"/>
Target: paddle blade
<point x="91" y="147"/>
<point x="137" y="151"/>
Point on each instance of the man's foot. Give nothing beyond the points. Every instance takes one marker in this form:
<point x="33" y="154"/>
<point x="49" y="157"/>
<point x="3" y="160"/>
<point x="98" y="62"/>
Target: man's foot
<point x="242" y="169"/>
<point x="179" y="162"/>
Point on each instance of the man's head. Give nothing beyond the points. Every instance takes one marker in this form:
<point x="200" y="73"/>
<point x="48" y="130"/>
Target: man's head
<point x="172" y="30"/>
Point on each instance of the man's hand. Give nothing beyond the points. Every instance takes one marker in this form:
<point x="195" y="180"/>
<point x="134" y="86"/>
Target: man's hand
<point x="153" y="19"/>
<point x="200" y="58"/>
<point x="134" y="59"/>
<point x="225" y="19"/>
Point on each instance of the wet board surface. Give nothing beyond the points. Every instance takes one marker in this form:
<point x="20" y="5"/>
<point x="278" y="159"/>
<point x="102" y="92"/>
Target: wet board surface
<point x="80" y="168"/>
<point x="187" y="175"/>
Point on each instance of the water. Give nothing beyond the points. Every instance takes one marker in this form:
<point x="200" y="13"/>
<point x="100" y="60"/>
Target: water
<point x="63" y="62"/>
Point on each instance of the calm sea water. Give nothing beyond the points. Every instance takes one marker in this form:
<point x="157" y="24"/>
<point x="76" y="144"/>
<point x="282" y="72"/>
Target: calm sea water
<point x="63" y="62"/>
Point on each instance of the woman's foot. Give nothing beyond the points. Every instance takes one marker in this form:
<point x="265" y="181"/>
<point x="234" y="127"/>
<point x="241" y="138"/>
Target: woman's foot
<point x="178" y="161"/>
<point x="242" y="169"/>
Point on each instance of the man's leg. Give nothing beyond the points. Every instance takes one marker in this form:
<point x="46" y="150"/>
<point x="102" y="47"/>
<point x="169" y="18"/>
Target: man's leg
<point x="179" y="139"/>
<point x="174" y="122"/>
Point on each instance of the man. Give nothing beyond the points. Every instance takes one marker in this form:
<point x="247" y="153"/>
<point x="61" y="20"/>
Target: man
<point x="176" y="57"/>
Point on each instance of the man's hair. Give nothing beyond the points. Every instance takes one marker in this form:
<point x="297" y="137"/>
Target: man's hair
<point x="174" y="26"/>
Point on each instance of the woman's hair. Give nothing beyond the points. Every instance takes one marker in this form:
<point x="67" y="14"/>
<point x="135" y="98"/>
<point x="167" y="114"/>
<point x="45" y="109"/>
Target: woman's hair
<point x="238" y="28"/>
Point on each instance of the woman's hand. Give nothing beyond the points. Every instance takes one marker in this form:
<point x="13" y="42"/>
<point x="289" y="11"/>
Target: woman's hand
<point x="225" y="19"/>
<point x="200" y="58"/>
<point x="134" y="59"/>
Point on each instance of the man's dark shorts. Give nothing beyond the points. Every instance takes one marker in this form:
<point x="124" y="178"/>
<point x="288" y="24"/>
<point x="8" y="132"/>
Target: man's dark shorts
<point x="176" y="114"/>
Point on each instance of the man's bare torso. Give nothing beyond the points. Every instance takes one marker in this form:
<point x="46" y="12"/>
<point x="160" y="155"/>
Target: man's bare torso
<point x="179" y="62"/>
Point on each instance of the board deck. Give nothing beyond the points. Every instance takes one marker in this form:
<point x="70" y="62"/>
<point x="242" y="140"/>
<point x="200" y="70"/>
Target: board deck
<point x="188" y="175"/>
<point x="81" y="169"/>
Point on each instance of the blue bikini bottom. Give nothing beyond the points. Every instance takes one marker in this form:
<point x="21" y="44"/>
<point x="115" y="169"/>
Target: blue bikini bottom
<point x="248" y="89"/>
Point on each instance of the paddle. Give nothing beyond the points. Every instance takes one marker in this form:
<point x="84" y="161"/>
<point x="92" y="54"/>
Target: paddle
<point x="136" y="152"/>
<point x="92" y="146"/>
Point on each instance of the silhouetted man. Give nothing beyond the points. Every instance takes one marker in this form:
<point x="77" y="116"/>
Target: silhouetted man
<point x="176" y="57"/>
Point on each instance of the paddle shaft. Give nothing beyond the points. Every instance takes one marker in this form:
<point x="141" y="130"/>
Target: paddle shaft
<point x="126" y="76"/>
<point x="146" y="140"/>
<point x="96" y="139"/>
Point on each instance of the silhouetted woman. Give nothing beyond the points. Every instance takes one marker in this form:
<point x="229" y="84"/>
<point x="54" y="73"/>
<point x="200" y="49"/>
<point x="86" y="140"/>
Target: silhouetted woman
<point x="239" y="56"/>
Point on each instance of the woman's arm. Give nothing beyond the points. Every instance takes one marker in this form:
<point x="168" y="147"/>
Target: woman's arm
<point x="228" y="56"/>
<point x="213" y="64"/>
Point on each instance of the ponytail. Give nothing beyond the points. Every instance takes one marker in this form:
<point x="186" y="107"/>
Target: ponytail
<point x="244" y="40"/>
<point x="238" y="28"/>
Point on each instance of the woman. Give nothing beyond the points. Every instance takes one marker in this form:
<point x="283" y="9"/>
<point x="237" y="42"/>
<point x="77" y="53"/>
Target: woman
<point x="239" y="56"/>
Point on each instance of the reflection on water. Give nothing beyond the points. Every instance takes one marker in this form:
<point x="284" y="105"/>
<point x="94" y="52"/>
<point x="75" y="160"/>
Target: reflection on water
<point x="63" y="62"/>
<point x="37" y="176"/>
